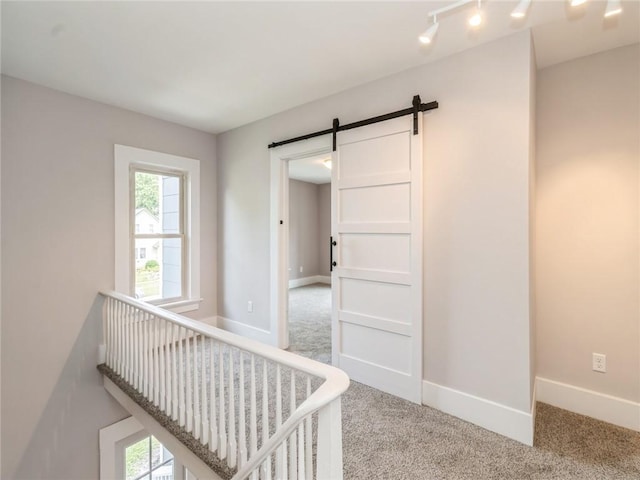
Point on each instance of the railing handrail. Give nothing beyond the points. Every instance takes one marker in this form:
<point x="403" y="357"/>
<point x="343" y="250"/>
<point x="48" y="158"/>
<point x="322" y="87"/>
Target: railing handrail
<point x="312" y="404"/>
<point x="326" y="372"/>
<point x="334" y="385"/>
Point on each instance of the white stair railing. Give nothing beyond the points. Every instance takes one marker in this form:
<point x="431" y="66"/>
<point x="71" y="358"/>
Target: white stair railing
<point x="268" y="413"/>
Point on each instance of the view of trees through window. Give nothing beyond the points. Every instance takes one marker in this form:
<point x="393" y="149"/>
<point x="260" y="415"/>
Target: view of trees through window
<point x="158" y="235"/>
<point x="147" y="459"/>
<point x="147" y="192"/>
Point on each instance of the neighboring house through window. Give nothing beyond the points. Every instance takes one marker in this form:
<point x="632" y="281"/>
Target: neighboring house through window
<point x="157" y="227"/>
<point x="128" y="452"/>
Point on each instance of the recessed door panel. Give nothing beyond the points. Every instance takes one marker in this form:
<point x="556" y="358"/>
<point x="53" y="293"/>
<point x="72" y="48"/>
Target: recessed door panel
<point x="376" y="251"/>
<point x="376" y="156"/>
<point x="383" y="300"/>
<point x="380" y="203"/>
<point x="377" y="347"/>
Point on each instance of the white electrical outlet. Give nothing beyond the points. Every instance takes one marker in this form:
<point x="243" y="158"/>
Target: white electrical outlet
<point x="599" y="362"/>
<point x="301" y="268"/>
<point x="250" y="306"/>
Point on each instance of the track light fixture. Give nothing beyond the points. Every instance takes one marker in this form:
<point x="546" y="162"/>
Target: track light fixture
<point x="429" y="33"/>
<point x="614" y="7"/>
<point x="476" y="19"/>
<point x="521" y="9"/>
<point x="427" y="37"/>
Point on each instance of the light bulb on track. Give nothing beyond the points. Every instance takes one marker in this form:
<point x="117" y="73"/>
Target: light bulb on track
<point x="476" y="19"/>
<point x="427" y="37"/>
<point x="614" y="7"/>
<point x="521" y="9"/>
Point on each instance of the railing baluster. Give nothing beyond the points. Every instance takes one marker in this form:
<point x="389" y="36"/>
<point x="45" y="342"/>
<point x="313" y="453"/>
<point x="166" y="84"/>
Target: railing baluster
<point x="134" y="354"/>
<point x="162" y="384"/>
<point x="266" y="472"/>
<point x="108" y="341"/>
<point x="213" y="436"/>
<point x="125" y="343"/>
<point x="145" y="372"/>
<point x="121" y="364"/>
<point x="187" y="343"/>
<point x="293" y="456"/>
<point x="181" y="378"/>
<point x="232" y="455"/>
<point x="222" y="429"/>
<point x="253" y="416"/>
<point x="167" y="367"/>
<point x="309" y="440"/>
<point x="129" y="357"/>
<point x="156" y="361"/>
<point x="107" y="333"/>
<point x="134" y="346"/>
<point x="281" y="467"/>
<point x="253" y="413"/>
<point x="197" y="422"/>
<point x="116" y="338"/>
<point x="118" y="362"/>
<point x="301" y="453"/>
<point x="149" y="355"/>
<point x="137" y="351"/>
<point x="203" y="392"/>
<point x="242" y="423"/>
<point x="132" y="357"/>
<point x="174" y="372"/>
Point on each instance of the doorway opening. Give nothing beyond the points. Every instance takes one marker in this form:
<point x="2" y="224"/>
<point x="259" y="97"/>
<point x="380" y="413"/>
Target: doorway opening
<point x="303" y="267"/>
<point x="309" y="237"/>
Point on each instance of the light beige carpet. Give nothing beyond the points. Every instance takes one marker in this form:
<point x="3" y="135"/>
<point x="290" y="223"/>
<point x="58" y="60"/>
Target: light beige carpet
<point x="385" y="437"/>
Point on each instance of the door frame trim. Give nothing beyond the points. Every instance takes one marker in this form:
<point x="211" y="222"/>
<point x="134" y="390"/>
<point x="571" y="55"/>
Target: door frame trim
<point x="279" y="238"/>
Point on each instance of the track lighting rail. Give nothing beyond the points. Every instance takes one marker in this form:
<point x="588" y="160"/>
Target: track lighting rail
<point x="417" y="107"/>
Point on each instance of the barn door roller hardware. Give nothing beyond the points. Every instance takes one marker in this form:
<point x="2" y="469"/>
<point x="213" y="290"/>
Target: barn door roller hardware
<point x="417" y="106"/>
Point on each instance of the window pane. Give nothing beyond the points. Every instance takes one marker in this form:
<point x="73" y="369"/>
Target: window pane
<point x="170" y="205"/>
<point x="164" y="472"/>
<point x="159" y="270"/>
<point x="157" y="203"/>
<point x="137" y="459"/>
<point x="159" y="454"/>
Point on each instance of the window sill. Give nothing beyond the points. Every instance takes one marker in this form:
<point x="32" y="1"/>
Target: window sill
<point x="182" y="306"/>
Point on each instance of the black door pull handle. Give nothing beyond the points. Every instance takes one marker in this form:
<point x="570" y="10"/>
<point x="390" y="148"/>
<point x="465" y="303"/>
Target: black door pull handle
<point x="332" y="243"/>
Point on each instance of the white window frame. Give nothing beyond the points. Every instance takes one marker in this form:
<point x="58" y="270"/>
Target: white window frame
<point x="124" y="158"/>
<point x="114" y="440"/>
<point x="181" y="234"/>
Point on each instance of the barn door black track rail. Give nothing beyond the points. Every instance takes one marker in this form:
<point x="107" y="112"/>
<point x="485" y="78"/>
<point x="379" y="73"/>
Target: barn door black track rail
<point x="417" y="107"/>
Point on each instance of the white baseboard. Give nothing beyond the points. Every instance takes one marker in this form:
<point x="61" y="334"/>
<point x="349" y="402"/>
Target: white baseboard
<point x="245" y="330"/>
<point x="301" y="282"/>
<point x="607" y="408"/>
<point x="493" y="416"/>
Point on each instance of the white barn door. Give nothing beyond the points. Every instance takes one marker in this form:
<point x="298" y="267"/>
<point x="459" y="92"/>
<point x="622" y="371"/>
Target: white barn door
<point x="377" y="277"/>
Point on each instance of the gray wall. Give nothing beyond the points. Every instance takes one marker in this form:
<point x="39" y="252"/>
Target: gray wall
<point x="304" y="241"/>
<point x="309" y="228"/>
<point x="57" y="253"/>
<point x="587" y="221"/>
<point x="477" y="201"/>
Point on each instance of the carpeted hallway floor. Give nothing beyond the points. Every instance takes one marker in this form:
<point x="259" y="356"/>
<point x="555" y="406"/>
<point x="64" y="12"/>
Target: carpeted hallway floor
<point x="385" y="437"/>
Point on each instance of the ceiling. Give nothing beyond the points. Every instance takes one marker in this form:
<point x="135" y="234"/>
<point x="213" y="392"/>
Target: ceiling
<point x="311" y="169"/>
<point x="215" y="66"/>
